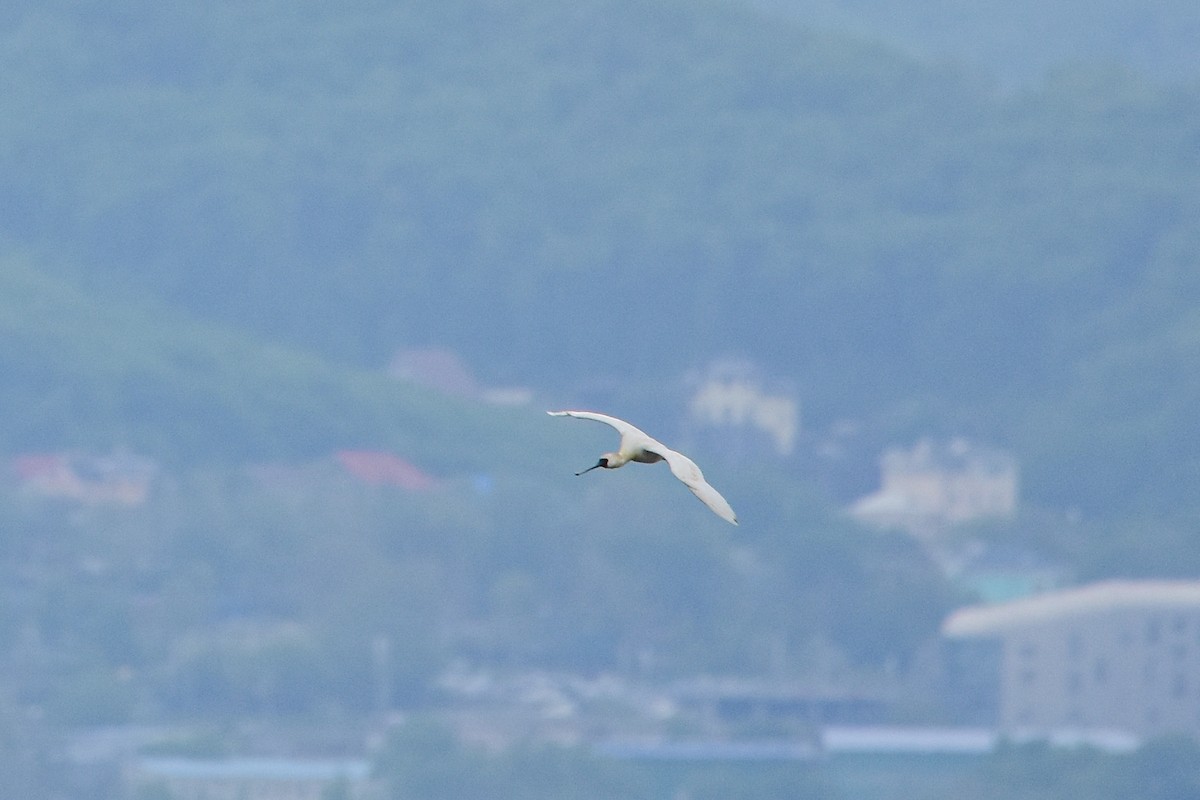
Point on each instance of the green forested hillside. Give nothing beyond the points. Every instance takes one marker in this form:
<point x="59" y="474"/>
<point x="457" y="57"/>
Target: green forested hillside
<point x="97" y="371"/>
<point x="571" y="193"/>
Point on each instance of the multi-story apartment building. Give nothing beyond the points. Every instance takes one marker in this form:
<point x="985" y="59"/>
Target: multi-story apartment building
<point x="1121" y="655"/>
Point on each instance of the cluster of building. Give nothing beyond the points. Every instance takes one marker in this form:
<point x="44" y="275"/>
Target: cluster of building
<point x="1108" y="665"/>
<point x="1111" y="663"/>
<point x="1041" y="659"/>
<point x="1116" y="661"/>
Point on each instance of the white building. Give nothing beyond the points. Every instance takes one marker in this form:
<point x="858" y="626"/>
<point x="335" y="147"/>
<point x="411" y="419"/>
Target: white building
<point x="732" y="396"/>
<point x="1119" y="655"/>
<point x="933" y="486"/>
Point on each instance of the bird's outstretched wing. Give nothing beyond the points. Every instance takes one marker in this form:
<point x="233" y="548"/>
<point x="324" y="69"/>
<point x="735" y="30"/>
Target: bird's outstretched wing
<point x="622" y="427"/>
<point x="686" y="470"/>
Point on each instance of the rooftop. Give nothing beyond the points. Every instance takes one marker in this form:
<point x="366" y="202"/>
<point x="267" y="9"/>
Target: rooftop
<point x="982" y="621"/>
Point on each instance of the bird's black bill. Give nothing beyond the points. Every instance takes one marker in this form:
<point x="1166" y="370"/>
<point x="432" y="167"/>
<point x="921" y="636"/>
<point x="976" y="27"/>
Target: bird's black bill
<point x="599" y="463"/>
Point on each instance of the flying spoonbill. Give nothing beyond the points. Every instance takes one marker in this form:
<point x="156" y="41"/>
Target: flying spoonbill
<point x="637" y="446"/>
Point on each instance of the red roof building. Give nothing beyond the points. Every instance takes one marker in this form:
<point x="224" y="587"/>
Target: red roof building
<point x="385" y="469"/>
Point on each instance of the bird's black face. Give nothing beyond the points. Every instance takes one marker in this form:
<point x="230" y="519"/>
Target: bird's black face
<point x="601" y="463"/>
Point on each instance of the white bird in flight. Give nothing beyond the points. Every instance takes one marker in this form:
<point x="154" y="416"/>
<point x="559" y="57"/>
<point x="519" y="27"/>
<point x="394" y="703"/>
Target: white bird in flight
<point x="637" y="446"/>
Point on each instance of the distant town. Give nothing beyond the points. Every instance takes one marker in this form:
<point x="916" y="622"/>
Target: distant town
<point x="1037" y="656"/>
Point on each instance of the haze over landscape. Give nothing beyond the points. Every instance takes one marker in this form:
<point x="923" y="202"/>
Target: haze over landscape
<point x="286" y="288"/>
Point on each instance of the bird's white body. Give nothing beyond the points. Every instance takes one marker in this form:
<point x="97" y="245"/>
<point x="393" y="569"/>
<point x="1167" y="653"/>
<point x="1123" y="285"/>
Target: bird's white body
<point x="636" y="445"/>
